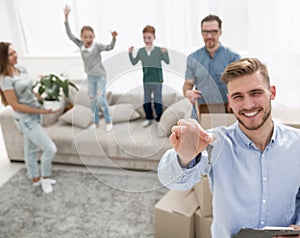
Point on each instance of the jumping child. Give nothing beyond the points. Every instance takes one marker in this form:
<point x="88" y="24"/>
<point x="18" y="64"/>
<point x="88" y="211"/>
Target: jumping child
<point x="96" y="75"/>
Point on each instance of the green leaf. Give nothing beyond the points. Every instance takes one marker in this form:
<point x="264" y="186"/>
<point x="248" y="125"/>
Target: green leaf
<point x="41" y="90"/>
<point x="51" y="85"/>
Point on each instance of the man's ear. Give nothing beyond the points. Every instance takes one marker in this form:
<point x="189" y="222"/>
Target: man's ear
<point x="272" y="92"/>
<point x="229" y="109"/>
<point x="228" y="99"/>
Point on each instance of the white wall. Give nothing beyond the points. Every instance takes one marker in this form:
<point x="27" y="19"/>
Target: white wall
<point x="71" y="66"/>
<point x="9" y="28"/>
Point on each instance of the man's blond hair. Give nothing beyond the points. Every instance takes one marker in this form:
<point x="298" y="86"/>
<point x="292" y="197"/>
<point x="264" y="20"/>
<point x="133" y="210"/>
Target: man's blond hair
<point x="245" y="66"/>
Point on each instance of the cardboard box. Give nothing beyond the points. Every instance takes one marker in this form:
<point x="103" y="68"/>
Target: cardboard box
<point x="174" y="215"/>
<point x="203" y="225"/>
<point x="204" y="197"/>
<point x="211" y="120"/>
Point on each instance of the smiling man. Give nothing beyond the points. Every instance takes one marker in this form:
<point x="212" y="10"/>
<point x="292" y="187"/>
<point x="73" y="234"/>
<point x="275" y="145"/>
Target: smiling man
<point x="252" y="166"/>
<point x="204" y="68"/>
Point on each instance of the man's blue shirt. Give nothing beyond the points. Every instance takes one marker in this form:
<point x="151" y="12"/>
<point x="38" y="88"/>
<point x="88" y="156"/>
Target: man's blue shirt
<point x="206" y="73"/>
<point x="251" y="188"/>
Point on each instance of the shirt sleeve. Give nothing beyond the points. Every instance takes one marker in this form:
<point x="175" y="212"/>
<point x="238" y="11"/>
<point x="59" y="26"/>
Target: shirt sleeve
<point x="109" y="47"/>
<point x="189" y="73"/>
<point x="174" y="177"/>
<point x="165" y="56"/>
<point x="71" y="36"/>
<point x="134" y="60"/>
<point x="6" y="83"/>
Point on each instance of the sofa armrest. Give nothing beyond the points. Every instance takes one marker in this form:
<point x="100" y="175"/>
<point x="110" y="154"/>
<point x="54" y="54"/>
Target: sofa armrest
<point x="12" y="137"/>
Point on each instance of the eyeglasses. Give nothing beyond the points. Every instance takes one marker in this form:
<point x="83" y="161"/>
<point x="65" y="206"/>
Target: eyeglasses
<point x="212" y="32"/>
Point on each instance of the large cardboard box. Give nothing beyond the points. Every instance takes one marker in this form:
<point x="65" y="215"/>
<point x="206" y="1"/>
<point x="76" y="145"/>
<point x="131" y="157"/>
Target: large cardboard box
<point x="203" y="225"/>
<point x="204" y="197"/>
<point x="175" y="215"/>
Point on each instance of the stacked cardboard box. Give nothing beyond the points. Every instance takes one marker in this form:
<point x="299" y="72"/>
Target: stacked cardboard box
<point x="204" y="215"/>
<point x="204" y="197"/>
<point x="185" y="214"/>
<point x="174" y="215"/>
<point x="203" y="225"/>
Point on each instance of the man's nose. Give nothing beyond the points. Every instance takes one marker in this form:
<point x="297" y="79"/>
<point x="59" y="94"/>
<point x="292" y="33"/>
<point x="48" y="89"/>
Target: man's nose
<point x="248" y="102"/>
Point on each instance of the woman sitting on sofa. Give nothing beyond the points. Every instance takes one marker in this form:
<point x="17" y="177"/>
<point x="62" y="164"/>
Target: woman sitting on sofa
<point x="16" y="91"/>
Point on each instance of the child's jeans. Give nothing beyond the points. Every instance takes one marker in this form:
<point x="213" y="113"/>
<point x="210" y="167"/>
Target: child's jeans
<point x="35" y="139"/>
<point x="96" y="91"/>
<point x="156" y="89"/>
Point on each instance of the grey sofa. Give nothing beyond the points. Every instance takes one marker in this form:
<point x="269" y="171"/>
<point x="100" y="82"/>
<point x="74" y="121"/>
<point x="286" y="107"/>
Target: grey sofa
<point x="128" y="145"/>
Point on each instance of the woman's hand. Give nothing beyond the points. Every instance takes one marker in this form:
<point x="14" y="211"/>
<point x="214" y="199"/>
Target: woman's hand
<point x="48" y="111"/>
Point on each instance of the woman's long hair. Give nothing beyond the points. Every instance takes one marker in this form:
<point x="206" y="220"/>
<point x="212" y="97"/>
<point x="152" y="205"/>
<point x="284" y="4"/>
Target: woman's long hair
<point x="5" y="69"/>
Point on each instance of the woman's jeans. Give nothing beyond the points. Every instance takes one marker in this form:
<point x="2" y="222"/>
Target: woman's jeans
<point x="156" y="89"/>
<point x="36" y="139"/>
<point x="96" y="91"/>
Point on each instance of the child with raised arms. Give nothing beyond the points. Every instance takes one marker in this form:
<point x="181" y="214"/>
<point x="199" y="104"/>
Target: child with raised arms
<point x="151" y="57"/>
<point x="96" y="75"/>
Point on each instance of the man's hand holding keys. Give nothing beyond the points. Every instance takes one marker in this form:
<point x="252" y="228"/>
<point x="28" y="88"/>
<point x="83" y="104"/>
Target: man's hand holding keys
<point x="189" y="139"/>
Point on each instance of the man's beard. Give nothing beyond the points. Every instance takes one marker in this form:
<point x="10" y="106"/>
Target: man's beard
<point x="264" y="119"/>
<point x="210" y="45"/>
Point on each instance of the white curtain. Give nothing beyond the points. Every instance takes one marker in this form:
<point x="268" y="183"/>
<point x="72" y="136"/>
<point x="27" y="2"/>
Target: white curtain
<point x="266" y="29"/>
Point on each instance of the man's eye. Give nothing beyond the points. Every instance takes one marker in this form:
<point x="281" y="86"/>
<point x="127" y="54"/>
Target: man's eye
<point x="256" y="93"/>
<point x="237" y="97"/>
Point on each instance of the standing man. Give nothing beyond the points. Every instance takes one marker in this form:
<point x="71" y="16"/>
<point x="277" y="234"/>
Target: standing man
<point x="252" y="166"/>
<point x="204" y="68"/>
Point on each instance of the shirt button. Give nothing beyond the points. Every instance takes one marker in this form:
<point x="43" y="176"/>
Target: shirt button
<point x="264" y="201"/>
<point x="264" y="178"/>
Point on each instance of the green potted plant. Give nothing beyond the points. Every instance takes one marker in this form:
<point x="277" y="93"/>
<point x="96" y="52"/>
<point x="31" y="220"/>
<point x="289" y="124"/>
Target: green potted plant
<point x="50" y="87"/>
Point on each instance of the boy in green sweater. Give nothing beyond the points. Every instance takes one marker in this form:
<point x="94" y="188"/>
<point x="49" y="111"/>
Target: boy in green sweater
<point x="151" y="57"/>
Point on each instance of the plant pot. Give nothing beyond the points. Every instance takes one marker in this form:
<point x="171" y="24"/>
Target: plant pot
<point x="54" y="105"/>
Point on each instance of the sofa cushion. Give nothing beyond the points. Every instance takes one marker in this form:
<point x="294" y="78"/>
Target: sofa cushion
<point x="136" y="98"/>
<point x="169" y="118"/>
<point x="79" y="115"/>
<point x="63" y="135"/>
<point x="126" y="140"/>
<point x="123" y="112"/>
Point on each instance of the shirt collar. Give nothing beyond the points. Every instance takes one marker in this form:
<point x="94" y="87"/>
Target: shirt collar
<point x="152" y="47"/>
<point x="89" y="49"/>
<point x="220" y="48"/>
<point x="248" y="142"/>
